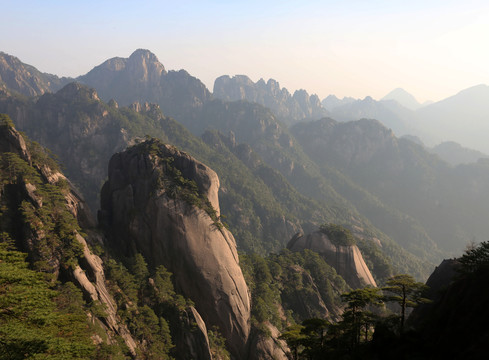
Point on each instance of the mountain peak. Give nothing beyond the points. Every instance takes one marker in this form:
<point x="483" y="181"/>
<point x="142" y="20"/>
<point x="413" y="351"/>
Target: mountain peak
<point x="144" y="54"/>
<point x="77" y="90"/>
<point x="404" y="98"/>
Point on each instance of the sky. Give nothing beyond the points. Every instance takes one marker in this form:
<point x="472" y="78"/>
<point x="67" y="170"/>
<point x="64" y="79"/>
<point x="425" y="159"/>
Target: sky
<point x="432" y="49"/>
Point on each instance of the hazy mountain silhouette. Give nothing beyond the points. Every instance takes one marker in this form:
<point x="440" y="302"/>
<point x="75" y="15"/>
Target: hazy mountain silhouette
<point x="455" y="154"/>
<point x="331" y="102"/>
<point x="388" y="112"/>
<point x="404" y="98"/>
<point x="463" y="118"/>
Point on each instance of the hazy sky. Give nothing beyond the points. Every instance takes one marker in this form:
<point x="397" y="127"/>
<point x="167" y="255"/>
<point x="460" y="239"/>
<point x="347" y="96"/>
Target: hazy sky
<point x="432" y="49"/>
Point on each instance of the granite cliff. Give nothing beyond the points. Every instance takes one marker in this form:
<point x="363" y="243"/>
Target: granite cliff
<point x="346" y="259"/>
<point x="163" y="204"/>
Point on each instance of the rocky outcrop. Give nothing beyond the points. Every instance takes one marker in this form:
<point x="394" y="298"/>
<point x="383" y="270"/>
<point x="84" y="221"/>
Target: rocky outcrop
<point x="90" y="277"/>
<point x="347" y="260"/>
<point x="288" y="108"/>
<point x="163" y="204"/>
<point x="11" y="140"/>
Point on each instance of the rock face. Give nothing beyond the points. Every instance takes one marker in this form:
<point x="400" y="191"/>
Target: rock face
<point x="26" y="79"/>
<point x="347" y="260"/>
<point x="288" y="108"/>
<point x="146" y="208"/>
<point x="191" y="338"/>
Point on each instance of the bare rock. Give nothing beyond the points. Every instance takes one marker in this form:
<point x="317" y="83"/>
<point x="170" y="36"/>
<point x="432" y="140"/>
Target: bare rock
<point x="191" y="338"/>
<point x="91" y="279"/>
<point x="347" y="260"/>
<point x="143" y="211"/>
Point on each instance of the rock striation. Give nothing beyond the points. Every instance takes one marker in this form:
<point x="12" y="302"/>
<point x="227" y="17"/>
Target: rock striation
<point x="347" y="260"/>
<point x="162" y="203"/>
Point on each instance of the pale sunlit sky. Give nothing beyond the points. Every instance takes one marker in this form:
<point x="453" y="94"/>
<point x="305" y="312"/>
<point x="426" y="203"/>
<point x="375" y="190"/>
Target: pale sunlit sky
<point x="432" y="49"/>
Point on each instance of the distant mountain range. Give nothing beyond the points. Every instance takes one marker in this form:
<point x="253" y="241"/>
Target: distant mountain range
<point x="288" y="108"/>
<point x="281" y="170"/>
<point x="334" y="189"/>
<point x="461" y="118"/>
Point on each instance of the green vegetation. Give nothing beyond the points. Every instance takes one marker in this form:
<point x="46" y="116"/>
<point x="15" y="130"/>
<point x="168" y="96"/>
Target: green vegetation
<point x="365" y="321"/>
<point x="338" y="235"/>
<point x="293" y="281"/>
<point x="44" y="216"/>
<point x="475" y="258"/>
<point x="5" y="121"/>
<point x="37" y="320"/>
<point x="406" y="292"/>
<point x="176" y="185"/>
<point x="217" y="345"/>
<point x="274" y="185"/>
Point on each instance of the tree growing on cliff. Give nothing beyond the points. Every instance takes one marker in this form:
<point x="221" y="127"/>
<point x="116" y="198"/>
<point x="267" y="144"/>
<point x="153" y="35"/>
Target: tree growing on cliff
<point x="475" y="257"/>
<point x="338" y="235"/>
<point x="406" y="292"/>
<point x="357" y="317"/>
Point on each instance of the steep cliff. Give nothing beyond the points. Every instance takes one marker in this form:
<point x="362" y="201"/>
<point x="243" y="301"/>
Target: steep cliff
<point x="346" y="259"/>
<point x="163" y="204"/>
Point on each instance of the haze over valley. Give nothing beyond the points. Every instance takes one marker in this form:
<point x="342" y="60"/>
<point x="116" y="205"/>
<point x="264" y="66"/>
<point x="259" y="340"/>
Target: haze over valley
<point x="225" y="198"/>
